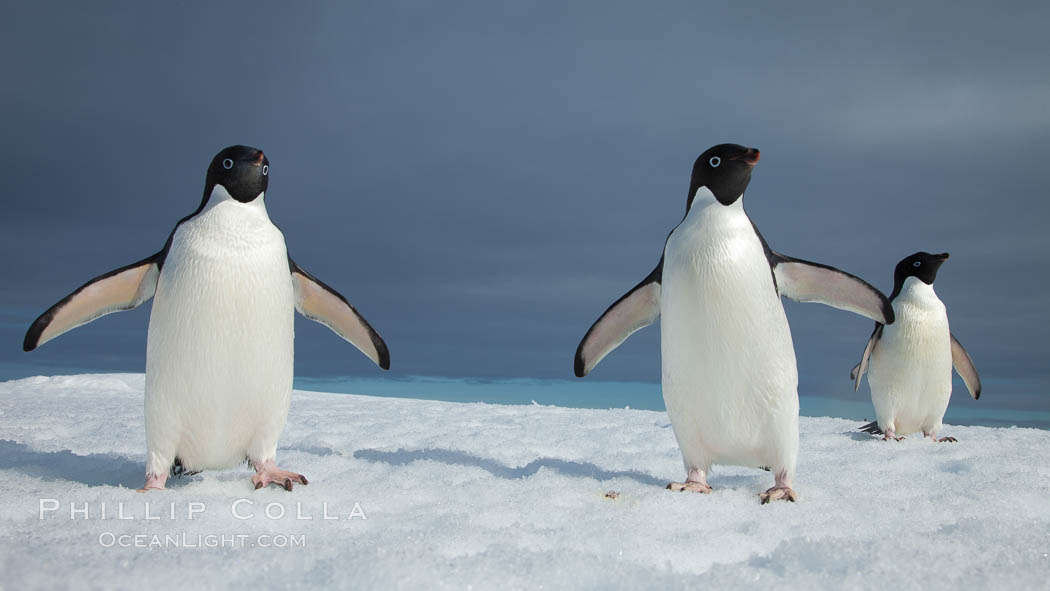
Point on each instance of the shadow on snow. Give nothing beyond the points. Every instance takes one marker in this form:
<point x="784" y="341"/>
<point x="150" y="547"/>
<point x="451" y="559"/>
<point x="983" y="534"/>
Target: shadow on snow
<point x="458" y="458"/>
<point x="91" y="469"/>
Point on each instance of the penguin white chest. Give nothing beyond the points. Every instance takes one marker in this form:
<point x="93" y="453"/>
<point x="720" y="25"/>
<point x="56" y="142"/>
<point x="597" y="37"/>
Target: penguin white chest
<point x="220" y="344"/>
<point x="729" y="374"/>
<point x="910" y="372"/>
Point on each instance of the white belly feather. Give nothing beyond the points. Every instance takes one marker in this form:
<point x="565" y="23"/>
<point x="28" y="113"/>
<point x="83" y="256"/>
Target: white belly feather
<point x="219" y="354"/>
<point x="729" y="374"/>
<point x="910" y="372"/>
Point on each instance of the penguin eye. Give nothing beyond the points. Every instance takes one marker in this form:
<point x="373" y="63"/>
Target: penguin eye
<point x="714" y="161"/>
<point x="917" y="264"/>
<point x="266" y="169"/>
<point x="227" y="164"/>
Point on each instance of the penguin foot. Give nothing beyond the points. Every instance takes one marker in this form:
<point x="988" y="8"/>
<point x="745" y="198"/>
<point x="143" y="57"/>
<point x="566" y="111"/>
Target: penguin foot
<point x="697" y="487"/>
<point x="933" y="437"/>
<point x="695" y="481"/>
<point x="781" y="489"/>
<point x="778" y="492"/>
<point x="154" y="482"/>
<point x="268" y="473"/>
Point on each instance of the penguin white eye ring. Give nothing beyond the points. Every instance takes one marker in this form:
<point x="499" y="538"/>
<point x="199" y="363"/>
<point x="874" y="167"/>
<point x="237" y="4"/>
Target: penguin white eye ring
<point x="714" y="161"/>
<point x="227" y="164"/>
<point x="266" y="169"/>
<point x="917" y="264"/>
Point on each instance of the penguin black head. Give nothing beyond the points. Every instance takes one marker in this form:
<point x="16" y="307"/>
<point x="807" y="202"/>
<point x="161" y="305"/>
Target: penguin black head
<point x="243" y="171"/>
<point x="725" y="170"/>
<point x="921" y="265"/>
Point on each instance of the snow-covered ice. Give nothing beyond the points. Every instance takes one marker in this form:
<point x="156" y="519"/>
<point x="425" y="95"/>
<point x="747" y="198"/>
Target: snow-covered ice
<point x="503" y="497"/>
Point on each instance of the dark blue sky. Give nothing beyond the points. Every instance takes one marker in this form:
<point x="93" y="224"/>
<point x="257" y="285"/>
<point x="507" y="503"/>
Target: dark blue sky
<point x="482" y="179"/>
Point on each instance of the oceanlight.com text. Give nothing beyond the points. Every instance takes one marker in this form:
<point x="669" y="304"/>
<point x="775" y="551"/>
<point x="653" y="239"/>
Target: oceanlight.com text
<point x="184" y="540"/>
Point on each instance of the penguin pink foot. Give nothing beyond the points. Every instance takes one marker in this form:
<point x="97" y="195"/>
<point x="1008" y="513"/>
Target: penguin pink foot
<point x="781" y="490"/>
<point x="154" y="482"/>
<point x="891" y="434"/>
<point x="696" y="482"/>
<point x="935" y="439"/>
<point x="268" y="473"/>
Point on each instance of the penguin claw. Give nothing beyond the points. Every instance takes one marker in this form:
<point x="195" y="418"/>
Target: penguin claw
<point x="697" y="487"/>
<point x="268" y="473"/>
<point x="947" y="440"/>
<point x="777" y="493"/>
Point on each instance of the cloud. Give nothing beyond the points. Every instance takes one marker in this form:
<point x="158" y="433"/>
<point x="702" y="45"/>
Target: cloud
<point x="937" y="111"/>
<point x="482" y="181"/>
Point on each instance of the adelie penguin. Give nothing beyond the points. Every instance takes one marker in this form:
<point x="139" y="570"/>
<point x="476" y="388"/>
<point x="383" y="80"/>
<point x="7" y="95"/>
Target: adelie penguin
<point x="219" y="347"/>
<point x="730" y="382"/>
<point x="909" y="362"/>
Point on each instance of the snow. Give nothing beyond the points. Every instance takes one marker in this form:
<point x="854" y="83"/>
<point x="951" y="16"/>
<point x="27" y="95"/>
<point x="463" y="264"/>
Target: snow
<point x="491" y="496"/>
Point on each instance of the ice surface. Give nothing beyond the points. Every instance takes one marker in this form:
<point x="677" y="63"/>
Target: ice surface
<point x="504" y="497"/>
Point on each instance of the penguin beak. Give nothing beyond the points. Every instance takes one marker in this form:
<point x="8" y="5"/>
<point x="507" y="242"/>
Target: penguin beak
<point x="749" y="156"/>
<point x="938" y="260"/>
<point x="257" y="159"/>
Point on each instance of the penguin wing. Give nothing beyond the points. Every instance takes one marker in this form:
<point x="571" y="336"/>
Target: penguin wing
<point x="804" y="281"/>
<point x="121" y="289"/>
<point x="964" y="366"/>
<point x="860" y="368"/>
<point x="321" y="303"/>
<point x="637" y="309"/>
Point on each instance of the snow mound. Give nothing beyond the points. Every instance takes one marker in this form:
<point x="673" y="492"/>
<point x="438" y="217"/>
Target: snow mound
<point x="417" y="494"/>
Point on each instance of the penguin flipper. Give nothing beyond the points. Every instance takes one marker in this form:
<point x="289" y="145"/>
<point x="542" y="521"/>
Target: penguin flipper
<point x="805" y="281"/>
<point x="637" y="309"/>
<point x="965" y="368"/>
<point x="860" y="368"/>
<point x="320" y="303"/>
<point x="121" y="289"/>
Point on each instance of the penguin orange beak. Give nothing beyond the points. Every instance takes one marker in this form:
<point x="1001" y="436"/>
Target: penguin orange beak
<point x="258" y="158"/>
<point x="943" y="256"/>
<point x="750" y="156"/>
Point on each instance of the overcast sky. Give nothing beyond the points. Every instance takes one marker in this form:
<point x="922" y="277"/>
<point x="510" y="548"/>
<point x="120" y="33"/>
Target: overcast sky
<point x="482" y="179"/>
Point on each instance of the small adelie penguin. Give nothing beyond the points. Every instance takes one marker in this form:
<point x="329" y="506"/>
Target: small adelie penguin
<point x="909" y="362"/>
<point x="219" y="347"/>
<point x="730" y="381"/>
